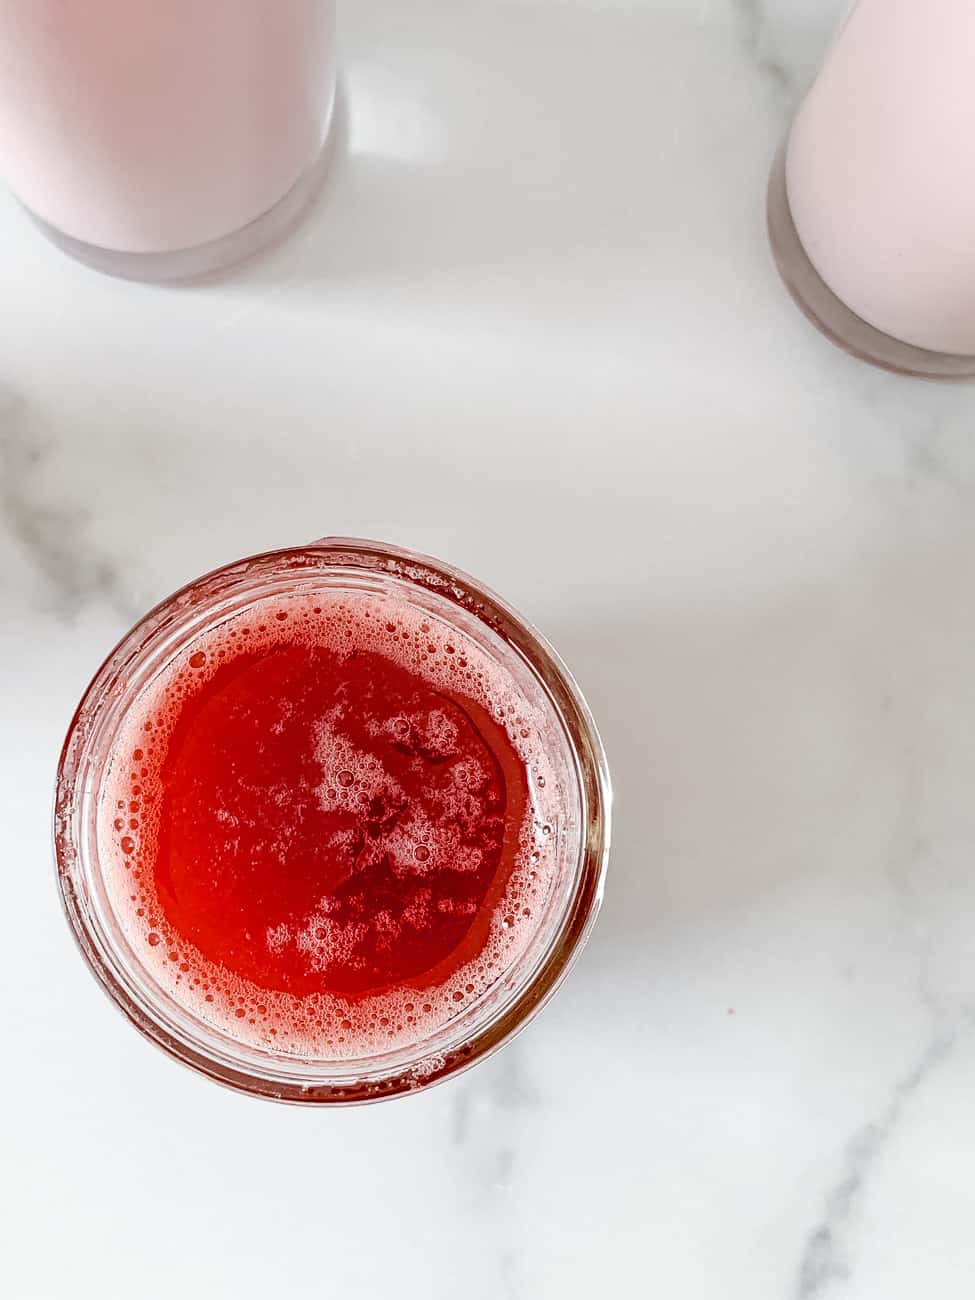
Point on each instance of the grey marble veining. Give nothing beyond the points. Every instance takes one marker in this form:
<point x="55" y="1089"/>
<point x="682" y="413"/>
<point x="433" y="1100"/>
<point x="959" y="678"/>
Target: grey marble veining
<point x="758" y="43"/>
<point x="829" y="1258"/>
<point x="533" y="327"/>
<point x="487" y="1117"/>
<point x="52" y="533"/>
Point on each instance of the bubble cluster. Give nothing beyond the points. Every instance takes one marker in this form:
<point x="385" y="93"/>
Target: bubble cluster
<point x="353" y="789"/>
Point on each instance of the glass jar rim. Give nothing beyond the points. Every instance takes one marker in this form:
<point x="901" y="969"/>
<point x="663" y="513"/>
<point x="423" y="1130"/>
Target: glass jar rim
<point x="274" y="1076"/>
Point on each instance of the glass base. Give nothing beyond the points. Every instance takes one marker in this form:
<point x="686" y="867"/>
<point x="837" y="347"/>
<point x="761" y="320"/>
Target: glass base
<point x="832" y="316"/>
<point x="185" y="264"/>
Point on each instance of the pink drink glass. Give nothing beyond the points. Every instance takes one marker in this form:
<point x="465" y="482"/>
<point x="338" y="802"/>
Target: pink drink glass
<point x="164" y="140"/>
<point x="872" y="201"/>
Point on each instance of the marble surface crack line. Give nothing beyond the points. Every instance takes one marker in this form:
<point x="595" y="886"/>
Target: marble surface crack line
<point x="910" y="849"/>
<point x="53" y="537"/>
<point x="752" y="22"/>
<point x="486" y="1115"/>
<point x="828" y="1256"/>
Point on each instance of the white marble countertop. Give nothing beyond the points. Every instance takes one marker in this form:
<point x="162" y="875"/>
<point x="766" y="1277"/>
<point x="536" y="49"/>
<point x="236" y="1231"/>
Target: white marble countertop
<point x="532" y="327"/>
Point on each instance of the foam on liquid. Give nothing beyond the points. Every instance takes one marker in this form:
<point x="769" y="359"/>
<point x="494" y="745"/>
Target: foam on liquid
<point x="330" y="1022"/>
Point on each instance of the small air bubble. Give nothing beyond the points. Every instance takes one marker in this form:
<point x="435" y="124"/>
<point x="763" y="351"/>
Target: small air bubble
<point x="127" y="844"/>
<point x="198" y="660"/>
<point x="153" y="939"/>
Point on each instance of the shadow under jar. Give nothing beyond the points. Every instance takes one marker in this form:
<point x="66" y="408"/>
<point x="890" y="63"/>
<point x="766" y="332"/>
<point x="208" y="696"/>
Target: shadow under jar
<point x="162" y="141"/>
<point x="331" y="823"/>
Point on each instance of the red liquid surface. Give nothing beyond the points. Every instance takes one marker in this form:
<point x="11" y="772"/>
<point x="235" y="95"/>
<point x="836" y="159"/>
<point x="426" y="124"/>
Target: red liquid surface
<point x="327" y="824"/>
<point x="334" y="824"/>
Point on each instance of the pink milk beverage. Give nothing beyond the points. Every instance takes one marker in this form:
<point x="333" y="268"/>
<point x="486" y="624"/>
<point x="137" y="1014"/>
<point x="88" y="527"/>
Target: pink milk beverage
<point x="159" y="137"/>
<point x="878" y="187"/>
